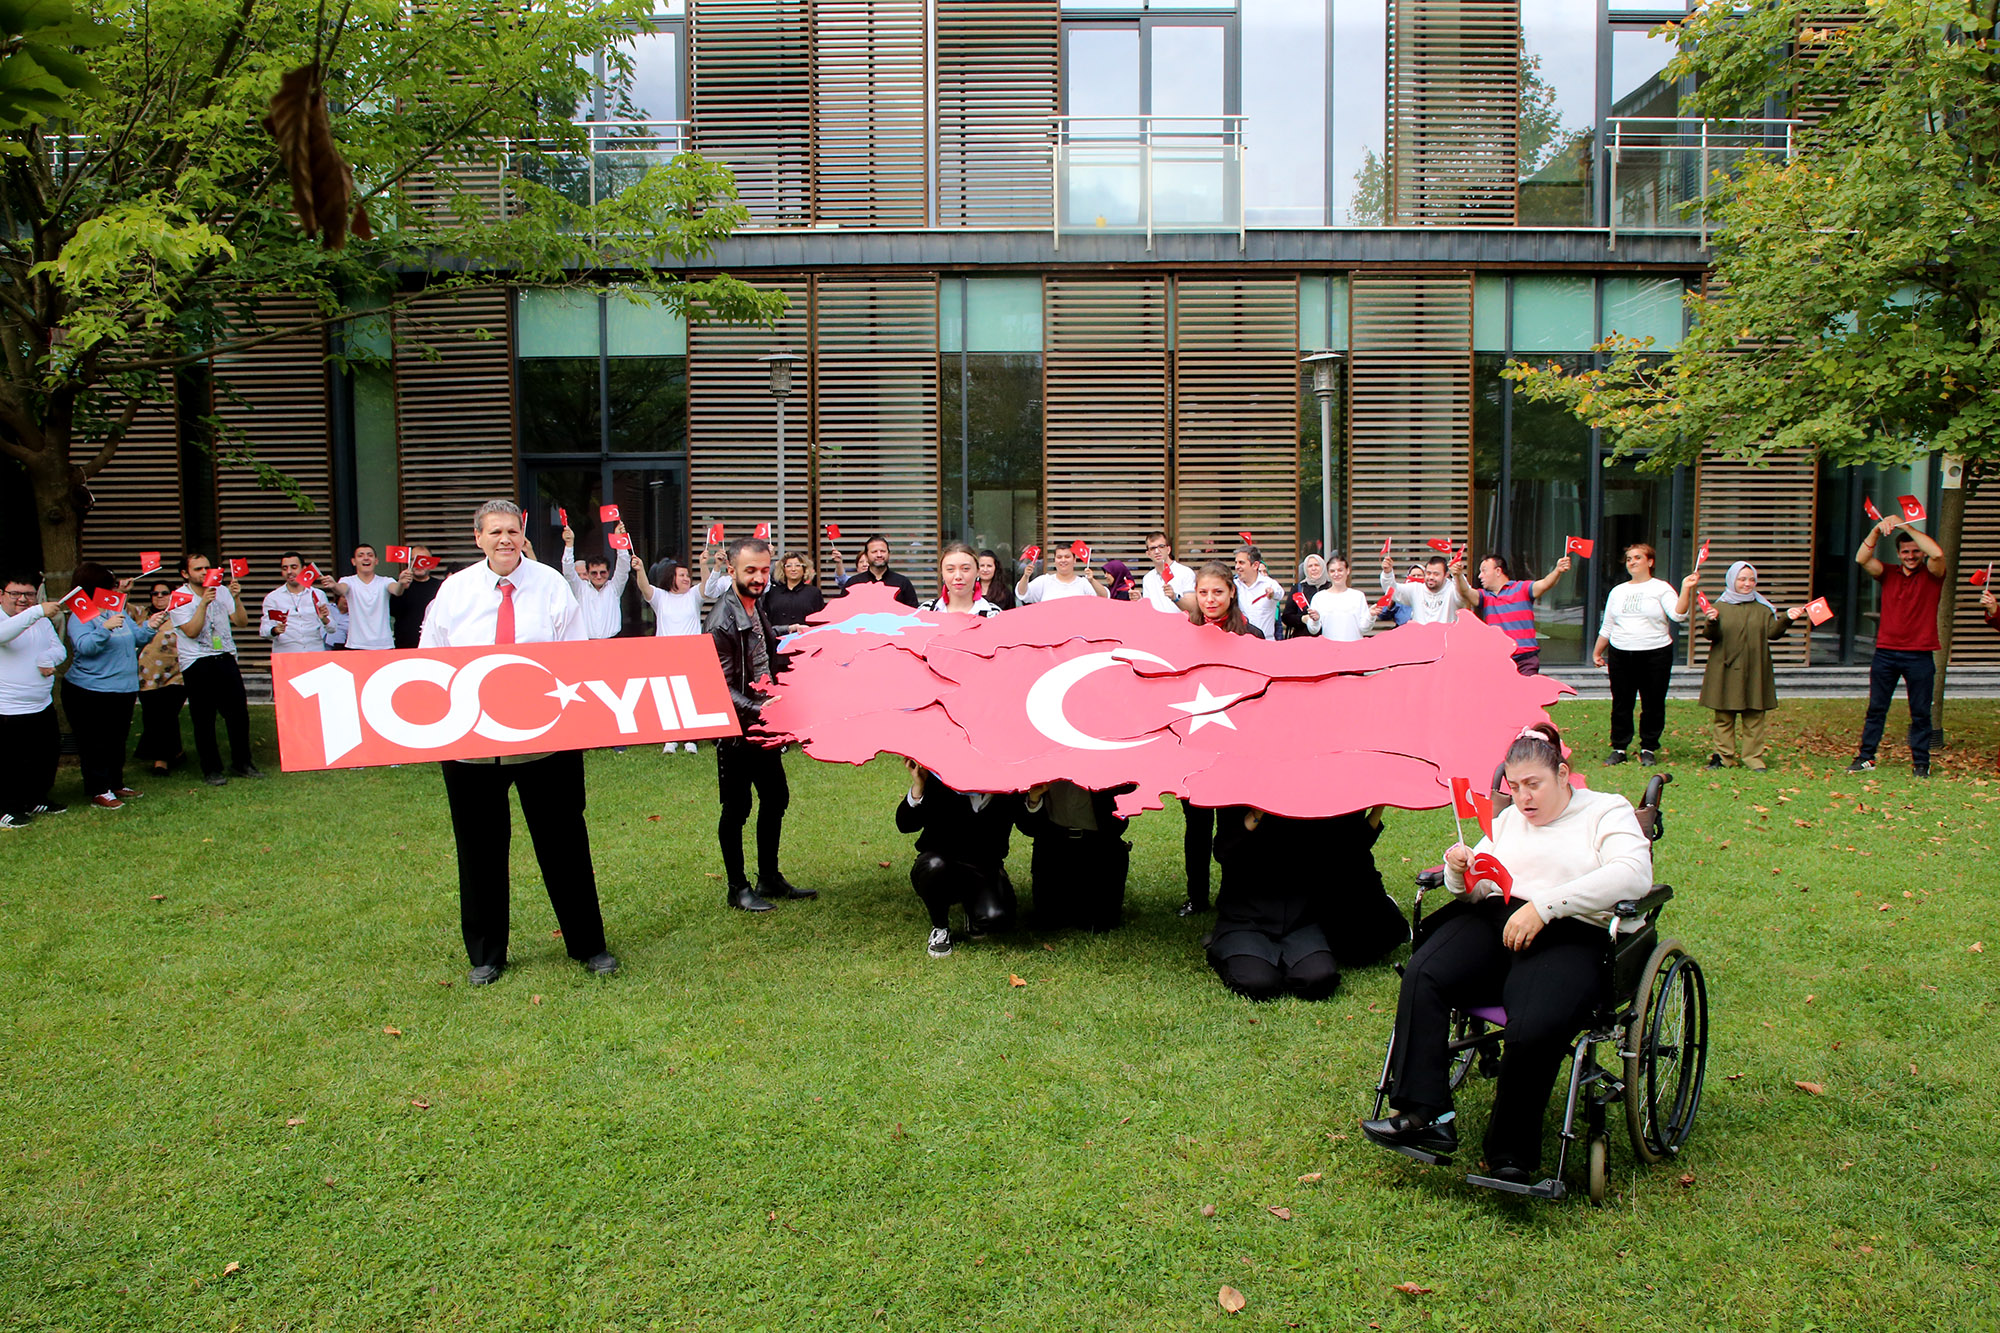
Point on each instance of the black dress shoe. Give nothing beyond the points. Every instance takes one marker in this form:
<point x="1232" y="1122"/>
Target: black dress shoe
<point x="778" y="887"/>
<point x="745" y="899"/>
<point x="1508" y="1173"/>
<point x="1615" y="757"/>
<point x="248" y="771"/>
<point x="215" y="779"/>
<point x="603" y="964"/>
<point x="483" y="975"/>
<point x="1419" y="1133"/>
<point x="1714" y="761"/>
<point x="1648" y="758"/>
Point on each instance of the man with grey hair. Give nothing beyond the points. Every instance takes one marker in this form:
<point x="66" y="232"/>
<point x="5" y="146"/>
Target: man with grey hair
<point x="503" y="599"/>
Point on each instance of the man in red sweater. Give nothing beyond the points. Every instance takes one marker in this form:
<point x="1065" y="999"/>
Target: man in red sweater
<point x="1906" y="641"/>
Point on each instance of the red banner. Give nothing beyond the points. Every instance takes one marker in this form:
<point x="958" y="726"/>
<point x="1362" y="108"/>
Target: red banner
<point x="357" y="710"/>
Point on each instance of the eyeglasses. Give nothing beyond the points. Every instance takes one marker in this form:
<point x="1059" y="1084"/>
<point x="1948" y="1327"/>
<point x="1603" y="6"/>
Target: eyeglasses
<point x="25" y="595"/>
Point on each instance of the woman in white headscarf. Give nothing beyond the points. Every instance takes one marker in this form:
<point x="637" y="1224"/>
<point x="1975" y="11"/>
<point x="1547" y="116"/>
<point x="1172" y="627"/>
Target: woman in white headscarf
<point x="1738" y="684"/>
<point x="1312" y="579"/>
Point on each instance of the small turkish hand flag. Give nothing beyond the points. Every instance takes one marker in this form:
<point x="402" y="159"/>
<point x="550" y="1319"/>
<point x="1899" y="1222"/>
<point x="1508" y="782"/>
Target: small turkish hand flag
<point x="1981" y="577"/>
<point x="762" y="532"/>
<point x="1383" y="604"/>
<point x="563" y="515"/>
<point x="1031" y="554"/>
<point x="277" y="617"/>
<point x="211" y="578"/>
<point x="309" y="576"/>
<point x="1701" y="556"/>
<point x="1442" y="545"/>
<point x="1482" y="807"/>
<point x="239" y="568"/>
<point x="424" y="562"/>
<point x="109" y="599"/>
<point x="80" y="604"/>
<point x="1913" y="508"/>
<point x="1707" y="607"/>
<point x="1300" y="599"/>
<point x="715" y="534"/>
<point x="1868" y="508"/>
<point x="180" y="598"/>
<point x="1386" y="543"/>
<point x="1818" y="611"/>
<point x="1248" y="540"/>
<point x="619" y="541"/>
<point x="397" y="555"/>
<point x="1461" y="798"/>
<point x="1582" y="546"/>
<point x="148" y="561"/>
<point x="1081" y="550"/>
<point x="607" y="513"/>
<point x="833" y="532"/>
<point x="1486" y="866"/>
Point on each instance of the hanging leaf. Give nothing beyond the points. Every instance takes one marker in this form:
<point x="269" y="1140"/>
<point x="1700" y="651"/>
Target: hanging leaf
<point x="322" y="185"/>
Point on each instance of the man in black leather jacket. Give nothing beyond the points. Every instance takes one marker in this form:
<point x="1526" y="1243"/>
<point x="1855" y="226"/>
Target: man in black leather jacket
<point x="748" y="651"/>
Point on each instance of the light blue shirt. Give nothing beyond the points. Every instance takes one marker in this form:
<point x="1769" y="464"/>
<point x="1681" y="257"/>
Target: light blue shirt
<point x="105" y="660"/>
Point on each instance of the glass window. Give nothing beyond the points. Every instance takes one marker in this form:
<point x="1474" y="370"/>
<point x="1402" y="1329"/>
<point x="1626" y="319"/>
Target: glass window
<point x="1554" y="314"/>
<point x="1003" y="314"/>
<point x="642" y="328"/>
<point x="1284" y="97"/>
<point x="990" y="469"/>
<point x="1548" y="497"/>
<point x="1187" y="69"/>
<point x="1101" y="71"/>
<point x="1637" y="57"/>
<point x="1558" y="111"/>
<point x="1645" y="308"/>
<point x="1360" y="93"/>
<point x="557" y="323"/>
<point x="651" y="89"/>
<point x="559" y="408"/>
<point x="648" y="400"/>
<point x="1489" y="447"/>
<point x="1489" y="313"/>
<point x="1312" y="513"/>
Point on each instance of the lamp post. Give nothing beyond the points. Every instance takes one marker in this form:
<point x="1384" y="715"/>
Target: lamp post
<point x="780" y="363"/>
<point x="1325" y="366"/>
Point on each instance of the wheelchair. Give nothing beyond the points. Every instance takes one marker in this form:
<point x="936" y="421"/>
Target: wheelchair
<point x="1653" y="1014"/>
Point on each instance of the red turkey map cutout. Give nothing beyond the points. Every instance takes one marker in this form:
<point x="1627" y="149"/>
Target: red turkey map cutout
<point x="1108" y="693"/>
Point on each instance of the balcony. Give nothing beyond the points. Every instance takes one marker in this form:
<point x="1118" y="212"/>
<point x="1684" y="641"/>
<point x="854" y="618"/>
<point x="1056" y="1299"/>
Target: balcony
<point x="620" y="152"/>
<point x="1660" y="173"/>
<point x="1147" y="174"/>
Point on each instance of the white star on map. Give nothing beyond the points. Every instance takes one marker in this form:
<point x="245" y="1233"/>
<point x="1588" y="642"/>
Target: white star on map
<point x="566" y="695"/>
<point x="1206" y="708"/>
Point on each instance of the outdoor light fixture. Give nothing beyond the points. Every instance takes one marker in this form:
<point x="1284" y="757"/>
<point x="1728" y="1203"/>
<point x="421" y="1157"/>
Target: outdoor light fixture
<point x="1325" y="368"/>
<point x="780" y="363"/>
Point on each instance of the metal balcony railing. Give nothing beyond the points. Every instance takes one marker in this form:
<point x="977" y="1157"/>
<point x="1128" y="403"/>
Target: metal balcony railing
<point x="620" y="152"/>
<point x="1660" y="172"/>
<point x="1148" y="174"/>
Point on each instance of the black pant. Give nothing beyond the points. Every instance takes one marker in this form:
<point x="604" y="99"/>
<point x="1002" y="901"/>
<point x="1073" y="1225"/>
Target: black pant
<point x="30" y="742"/>
<point x="1198" y="846"/>
<point x="215" y="685"/>
<point x="1643" y="674"/>
<point x="102" y="723"/>
<point x="1548" y="990"/>
<point x="740" y="766"/>
<point x="1313" y="977"/>
<point x="986" y="891"/>
<point x="160" y="723"/>
<point x="1919" y="671"/>
<point x="552" y="802"/>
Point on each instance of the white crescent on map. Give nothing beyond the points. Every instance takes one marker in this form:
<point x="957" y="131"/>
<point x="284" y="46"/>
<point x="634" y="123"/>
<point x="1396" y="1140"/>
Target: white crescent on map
<point x="1045" y="698"/>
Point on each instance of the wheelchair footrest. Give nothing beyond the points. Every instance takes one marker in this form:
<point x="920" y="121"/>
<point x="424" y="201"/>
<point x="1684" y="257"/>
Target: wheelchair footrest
<point x="1545" y="1189"/>
<point x="1415" y="1154"/>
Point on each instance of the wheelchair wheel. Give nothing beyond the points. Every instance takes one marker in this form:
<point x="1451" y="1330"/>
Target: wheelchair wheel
<point x="1667" y="1052"/>
<point x="1464" y="1025"/>
<point x="1600" y="1167"/>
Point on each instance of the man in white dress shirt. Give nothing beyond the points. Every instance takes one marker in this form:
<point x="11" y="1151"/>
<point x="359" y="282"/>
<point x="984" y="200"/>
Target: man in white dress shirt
<point x="1257" y="593"/>
<point x="507" y="599"/>
<point x="1167" y="581"/>
<point x="368" y="595"/>
<point x="599" y="585"/>
<point x="295" y="616"/>
<point x="204" y="638"/>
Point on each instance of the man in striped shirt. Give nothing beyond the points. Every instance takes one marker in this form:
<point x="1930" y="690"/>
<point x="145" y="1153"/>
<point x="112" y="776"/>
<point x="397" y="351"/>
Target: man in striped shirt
<point x="1509" y="604"/>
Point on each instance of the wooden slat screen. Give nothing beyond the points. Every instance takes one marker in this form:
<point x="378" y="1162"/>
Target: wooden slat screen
<point x="1236" y="416"/>
<point x="996" y="89"/>
<point x="1766" y="515"/>
<point x="276" y="395"/>
<point x="752" y="101"/>
<point x="870" y="112"/>
<point x="1104" y="455"/>
<point x="1817" y="34"/>
<point x="875" y="365"/>
<point x="1409" y="390"/>
<point x="1454" y="92"/>
<point x="1972" y="644"/>
<point x="454" y="418"/>
<point x="733" y="424"/>
<point x="136" y="502"/>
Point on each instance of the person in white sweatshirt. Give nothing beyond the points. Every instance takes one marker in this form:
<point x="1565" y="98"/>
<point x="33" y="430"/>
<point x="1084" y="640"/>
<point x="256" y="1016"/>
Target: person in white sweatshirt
<point x="1536" y="949"/>
<point x="1337" y="611"/>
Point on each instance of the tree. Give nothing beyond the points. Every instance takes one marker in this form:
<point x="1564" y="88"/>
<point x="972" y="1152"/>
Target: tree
<point x="148" y="217"/>
<point x="1856" y="311"/>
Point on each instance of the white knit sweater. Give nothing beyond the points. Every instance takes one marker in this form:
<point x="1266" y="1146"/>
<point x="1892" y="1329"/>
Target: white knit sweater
<point x="1579" y="864"/>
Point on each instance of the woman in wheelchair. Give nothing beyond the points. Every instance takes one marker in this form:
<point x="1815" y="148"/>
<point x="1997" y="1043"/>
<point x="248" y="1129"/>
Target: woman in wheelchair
<point x="1538" y="952"/>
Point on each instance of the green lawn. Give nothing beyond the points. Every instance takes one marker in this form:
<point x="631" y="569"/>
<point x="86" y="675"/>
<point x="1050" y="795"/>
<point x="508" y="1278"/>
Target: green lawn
<point x="248" y="1088"/>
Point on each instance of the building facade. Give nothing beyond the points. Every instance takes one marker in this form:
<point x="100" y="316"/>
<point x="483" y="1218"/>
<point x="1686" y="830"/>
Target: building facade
<point x="1052" y="268"/>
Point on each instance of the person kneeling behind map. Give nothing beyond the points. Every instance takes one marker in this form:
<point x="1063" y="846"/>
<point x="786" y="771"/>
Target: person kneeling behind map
<point x="1081" y="857"/>
<point x="961" y="855"/>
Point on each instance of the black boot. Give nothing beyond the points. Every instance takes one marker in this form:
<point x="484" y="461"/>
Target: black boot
<point x="745" y="899"/>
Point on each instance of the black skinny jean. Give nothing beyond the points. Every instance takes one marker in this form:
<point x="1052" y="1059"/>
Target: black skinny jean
<point x="102" y="723"/>
<point x="1642" y="675"/>
<point x="215" y="686"/>
<point x="740" y="767"/>
<point x="30" y="742"/>
<point x="1198" y="846"/>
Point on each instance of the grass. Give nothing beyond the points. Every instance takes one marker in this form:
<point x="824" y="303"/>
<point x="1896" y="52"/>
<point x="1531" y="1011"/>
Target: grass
<point x="265" y="1098"/>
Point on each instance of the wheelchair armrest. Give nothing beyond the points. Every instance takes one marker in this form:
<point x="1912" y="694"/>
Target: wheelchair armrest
<point x="1635" y="908"/>
<point x="1431" y="879"/>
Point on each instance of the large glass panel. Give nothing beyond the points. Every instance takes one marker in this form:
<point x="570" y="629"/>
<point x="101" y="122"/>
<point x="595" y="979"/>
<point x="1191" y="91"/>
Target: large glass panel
<point x="1489" y="313"/>
<point x="990" y="470"/>
<point x="1192" y="158"/>
<point x="1645" y="308"/>
<point x="559" y="407"/>
<point x="1311" y="480"/>
<point x="1284" y="54"/>
<point x="648" y="398"/>
<point x="642" y="328"/>
<point x="650" y="90"/>
<point x="1558" y="111"/>
<point x="1102" y="172"/>
<point x="1003" y="314"/>
<point x="554" y="491"/>
<point x="1489" y="439"/>
<point x="1360" y="91"/>
<point x="1638" y="55"/>
<point x="557" y="323"/>
<point x="652" y="503"/>
<point x="1636" y="507"/>
<point x="1547" y="498"/>
<point x="1323" y="313"/>
<point x="1554" y="314"/>
<point x="1187" y="69"/>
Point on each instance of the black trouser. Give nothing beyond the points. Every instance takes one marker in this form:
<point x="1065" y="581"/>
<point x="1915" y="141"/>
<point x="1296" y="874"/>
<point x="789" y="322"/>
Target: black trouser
<point x="1548" y="990"/>
<point x="30" y="742"/>
<point x="552" y="802"/>
<point x="1198" y="845"/>
<point x="215" y="685"/>
<point x="1643" y="674"/>
<point x="986" y="891"/>
<point x="741" y="765"/>
<point x="102" y="723"/>
<point x="1313" y="977"/>
<point x="160" y="723"/>
<point x="1919" y="671"/>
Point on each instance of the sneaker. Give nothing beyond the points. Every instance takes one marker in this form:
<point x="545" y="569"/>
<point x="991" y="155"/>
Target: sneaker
<point x="669" y="748"/>
<point x="15" y="821"/>
<point x="248" y="771"/>
<point x="1862" y="766"/>
<point x="1648" y="758"/>
<point x="1920" y="770"/>
<point x="127" y="794"/>
<point x="618" y="749"/>
<point x="215" y="779"/>
<point x="107" y="801"/>
<point x="1615" y="757"/>
<point x="603" y="963"/>
<point x="47" y="808"/>
<point x="689" y="747"/>
<point x="940" y="941"/>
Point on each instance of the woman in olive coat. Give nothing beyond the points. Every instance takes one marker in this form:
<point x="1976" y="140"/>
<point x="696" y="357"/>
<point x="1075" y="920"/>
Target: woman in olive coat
<point x="1739" y="685"/>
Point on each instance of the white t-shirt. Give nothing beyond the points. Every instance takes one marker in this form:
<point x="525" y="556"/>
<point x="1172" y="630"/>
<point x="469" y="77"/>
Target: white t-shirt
<point x="1640" y="615"/>
<point x="675" y="612"/>
<point x="1259" y="603"/>
<point x="368" y="612"/>
<point x="1344" y="616"/>
<point x="1426" y="607"/>
<point x="1166" y="596"/>
<point x="215" y="637"/>
<point x="1047" y="588"/>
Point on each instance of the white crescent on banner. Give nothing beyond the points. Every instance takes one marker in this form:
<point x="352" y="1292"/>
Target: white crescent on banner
<point x="1045" y="698"/>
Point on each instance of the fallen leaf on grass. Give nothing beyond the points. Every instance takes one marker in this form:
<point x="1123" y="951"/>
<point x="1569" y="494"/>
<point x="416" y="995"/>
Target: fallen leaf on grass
<point x="1013" y="980"/>
<point x="1913" y="1069"/>
<point x="159" y="897"/>
<point x="1687" y="1180"/>
<point x="1208" y="1210"/>
<point x="652" y="819"/>
<point x="883" y="864"/>
<point x="1230" y="1299"/>
<point x="231" y="1267"/>
<point x="1411" y="1289"/>
<point x="711" y="874"/>
<point x="1732" y="1077"/>
<point x="1312" y="1178"/>
<point x="1975" y="947"/>
<point x="556" y="934"/>
<point x="534" y="999"/>
<point x="445" y="982"/>
<point x="392" y="1032"/>
<point x="1866" y="1249"/>
<point x="1282" y="1214"/>
<point x="420" y="1103"/>
<point x="1811" y="998"/>
<point x="1052" y="948"/>
<point x="1814" y="1088"/>
<point x="294" y="1122"/>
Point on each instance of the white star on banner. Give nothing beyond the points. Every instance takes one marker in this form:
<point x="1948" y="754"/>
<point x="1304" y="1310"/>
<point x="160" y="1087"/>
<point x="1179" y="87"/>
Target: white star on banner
<point x="566" y="695"/>
<point x="1206" y="708"/>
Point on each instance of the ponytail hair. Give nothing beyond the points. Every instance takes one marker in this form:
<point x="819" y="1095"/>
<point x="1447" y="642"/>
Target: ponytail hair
<point x="1539" y="743"/>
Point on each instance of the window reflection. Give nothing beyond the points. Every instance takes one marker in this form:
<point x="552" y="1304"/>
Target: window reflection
<point x="1360" y="91"/>
<point x="1284" y="95"/>
<point x="1558" y="111"/>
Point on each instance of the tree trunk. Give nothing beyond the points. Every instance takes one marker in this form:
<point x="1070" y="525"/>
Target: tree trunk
<point x="1950" y="534"/>
<point x="57" y="515"/>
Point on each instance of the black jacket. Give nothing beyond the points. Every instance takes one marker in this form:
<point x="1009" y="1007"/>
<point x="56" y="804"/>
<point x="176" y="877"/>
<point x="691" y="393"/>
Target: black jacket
<point x="946" y="825"/>
<point x="791" y="606"/>
<point x="906" y="591"/>
<point x="732" y="627"/>
<point x="1290" y="616"/>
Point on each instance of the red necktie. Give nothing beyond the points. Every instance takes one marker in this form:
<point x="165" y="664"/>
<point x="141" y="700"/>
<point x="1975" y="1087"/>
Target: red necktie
<point x="503" y="624"/>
